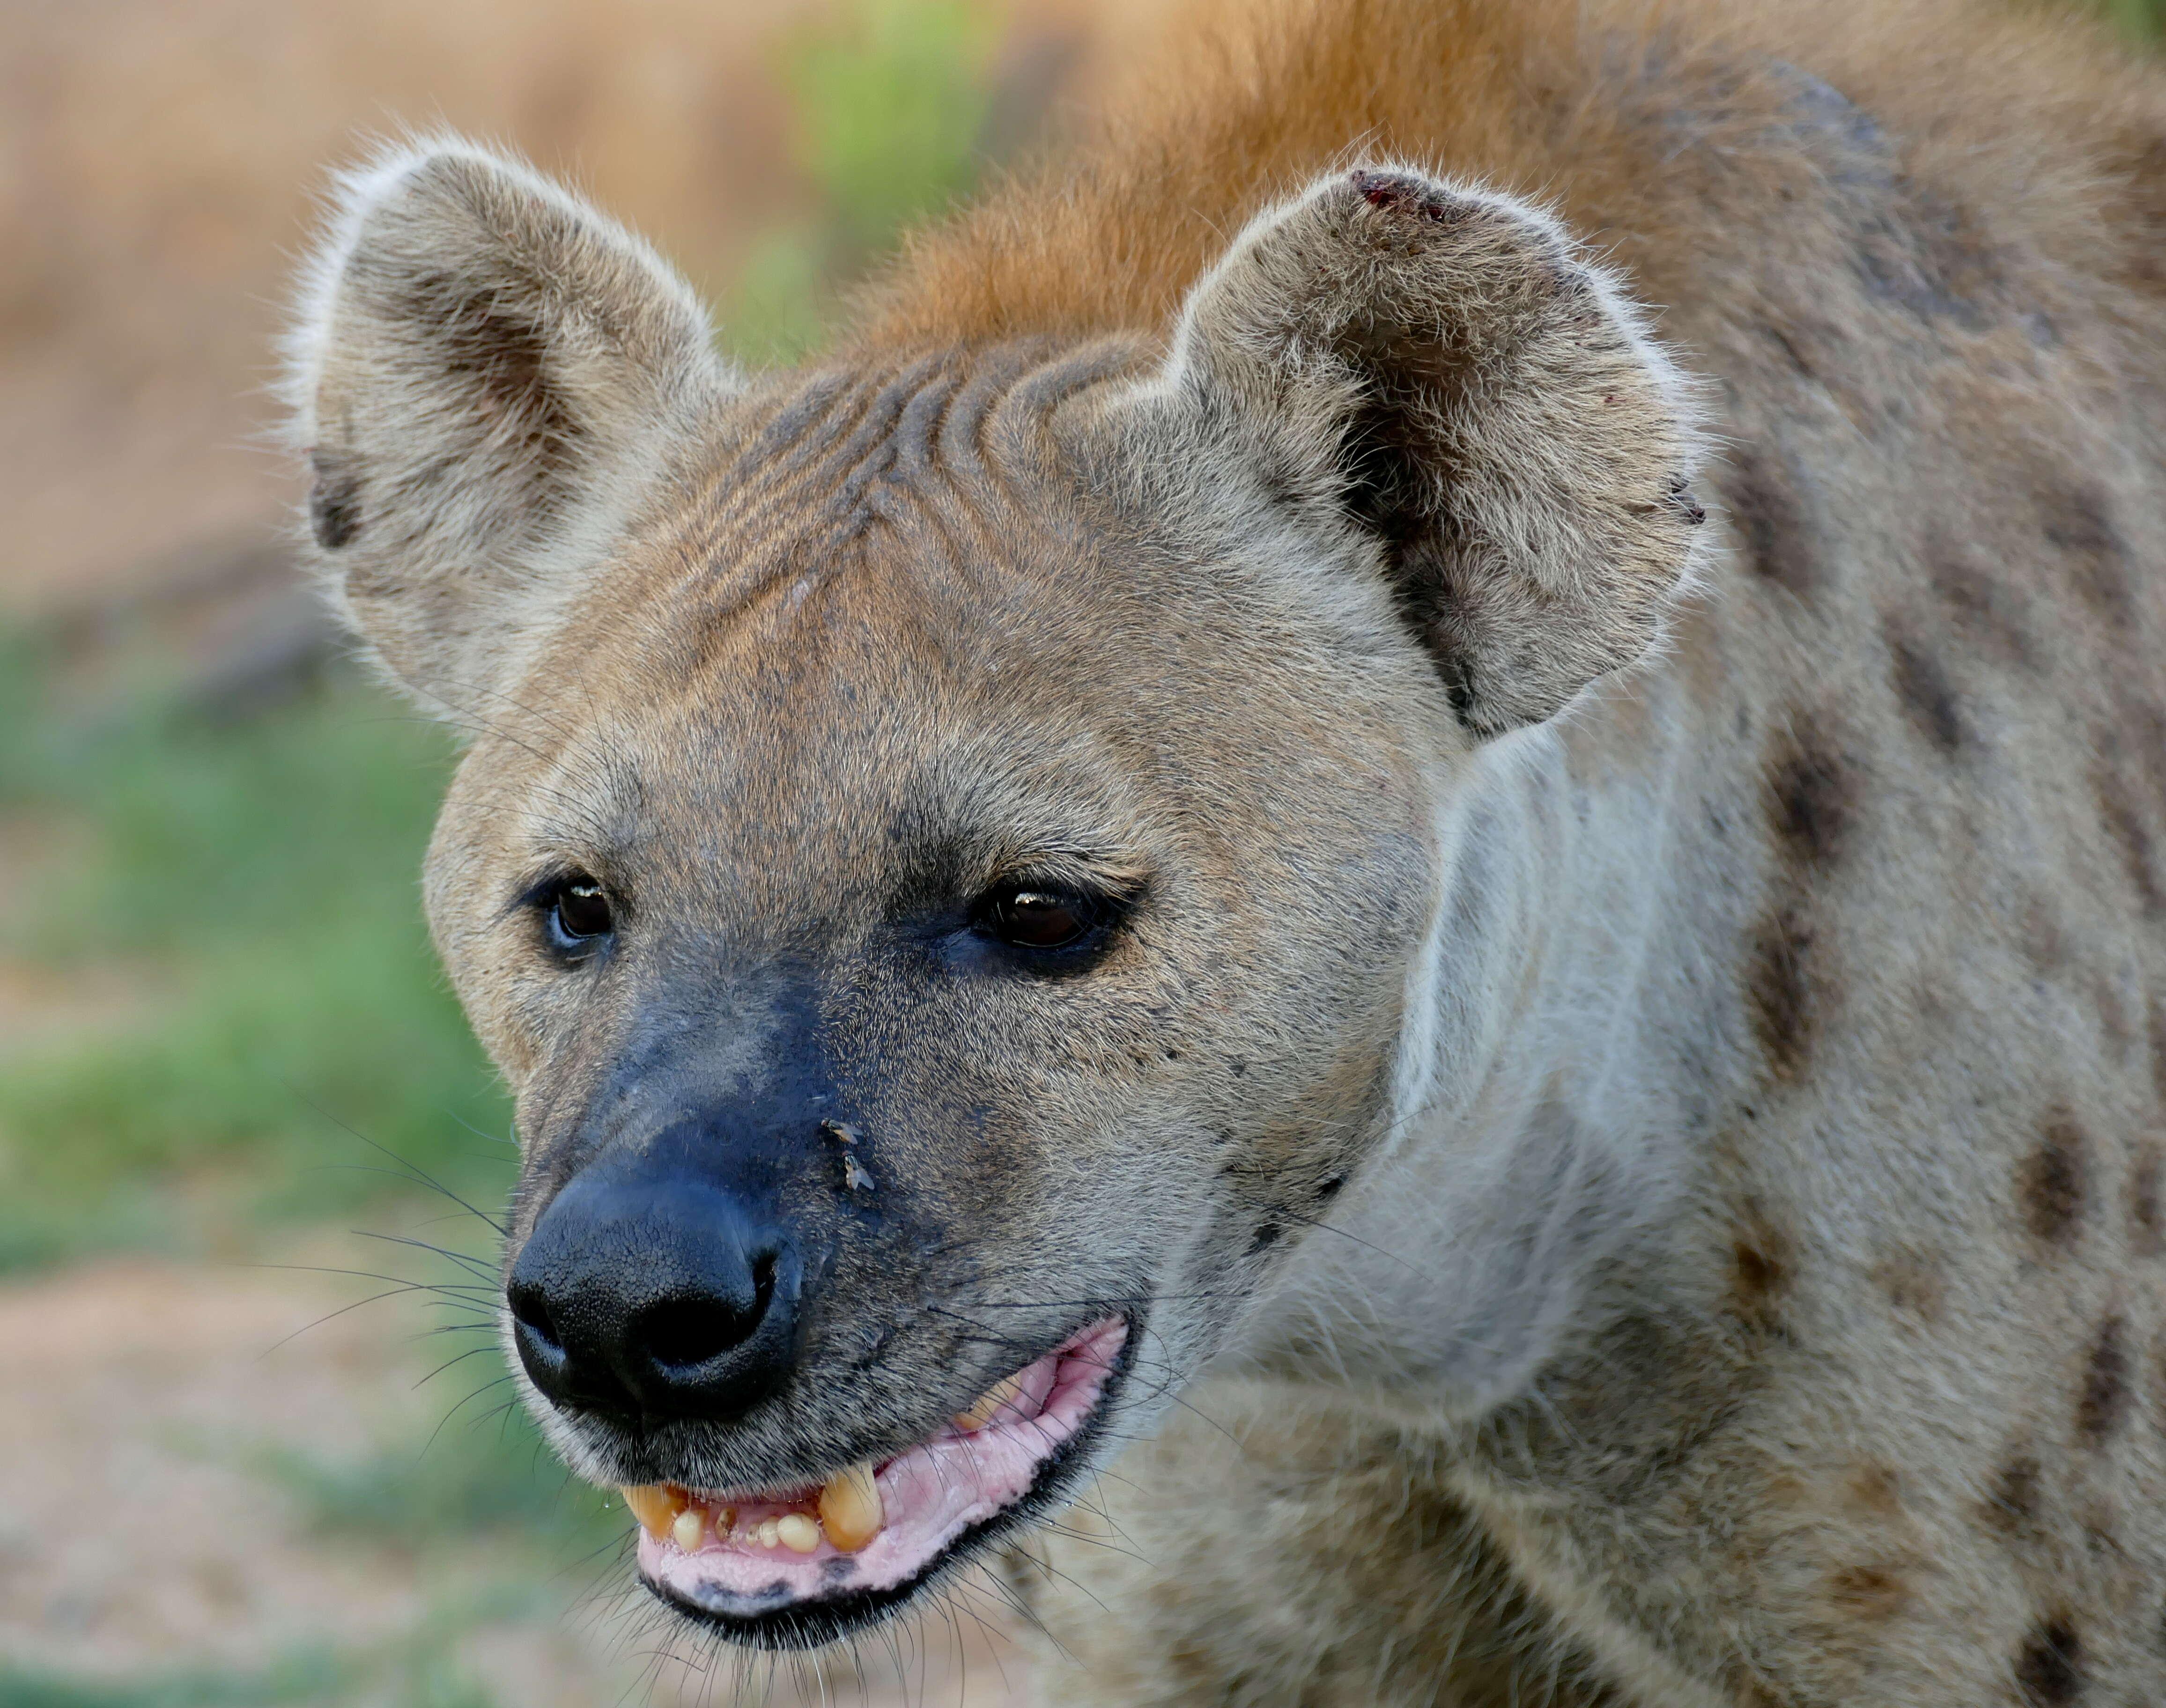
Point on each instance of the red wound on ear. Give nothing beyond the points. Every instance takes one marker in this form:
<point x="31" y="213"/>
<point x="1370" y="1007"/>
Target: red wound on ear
<point x="1399" y="195"/>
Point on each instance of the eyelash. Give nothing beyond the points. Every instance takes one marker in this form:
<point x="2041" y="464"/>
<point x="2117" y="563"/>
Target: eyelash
<point x="1048" y="920"/>
<point x="577" y="913"/>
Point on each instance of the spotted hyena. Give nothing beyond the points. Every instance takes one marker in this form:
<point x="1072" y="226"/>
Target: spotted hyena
<point x="1386" y="901"/>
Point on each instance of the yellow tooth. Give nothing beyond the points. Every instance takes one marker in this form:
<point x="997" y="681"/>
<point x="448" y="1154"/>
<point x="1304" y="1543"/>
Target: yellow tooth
<point x="989" y="1403"/>
<point x="797" y="1532"/>
<point x="769" y="1533"/>
<point x="651" y="1505"/>
<point x="689" y="1530"/>
<point x="850" y="1511"/>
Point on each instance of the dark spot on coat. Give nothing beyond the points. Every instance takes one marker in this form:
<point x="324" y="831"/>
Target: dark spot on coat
<point x="334" y="501"/>
<point x="1876" y="1488"/>
<point x="2113" y="1015"/>
<point x="1779" y="537"/>
<point x="2050" y="1183"/>
<point x="2049" y="1668"/>
<point x="2136" y="210"/>
<point x="2104" y="1401"/>
<point x="2147" y="1218"/>
<point x="2095" y="1519"/>
<point x="1792" y="346"/>
<point x="1928" y="697"/>
<point x="1265" y="1236"/>
<point x="1759" y="1274"/>
<point x="1918" y="248"/>
<point x="2131" y="742"/>
<point x="2132" y="838"/>
<point x="1780" y="990"/>
<point x="1330" y="1189"/>
<point x="1763" y="1257"/>
<point x="1913" y="1282"/>
<point x="1869" y="1592"/>
<point x="2043" y="940"/>
<point x="1808" y="796"/>
<point x="2078" y="523"/>
<point x="1984" y="611"/>
<point x="2156" y="1025"/>
<point x="2012" y="1506"/>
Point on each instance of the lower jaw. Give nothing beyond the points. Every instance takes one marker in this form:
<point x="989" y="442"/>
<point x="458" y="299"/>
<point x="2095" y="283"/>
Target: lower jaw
<point x="946" y="1497"/>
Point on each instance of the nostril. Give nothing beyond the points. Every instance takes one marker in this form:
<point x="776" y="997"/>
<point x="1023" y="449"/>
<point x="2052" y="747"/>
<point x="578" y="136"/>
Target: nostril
<point x="686" y="1332"/>
<point x="682" y="1333"/>
<point x="529" y="1309"/>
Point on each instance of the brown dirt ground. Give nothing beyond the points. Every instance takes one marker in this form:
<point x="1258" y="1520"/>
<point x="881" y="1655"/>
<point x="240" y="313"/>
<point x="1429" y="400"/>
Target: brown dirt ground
<point x="136" y="1539"/>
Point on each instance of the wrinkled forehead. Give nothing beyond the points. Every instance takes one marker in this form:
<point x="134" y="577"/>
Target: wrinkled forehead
<point x="843" y="724"/>
<point x="897" y="627"/>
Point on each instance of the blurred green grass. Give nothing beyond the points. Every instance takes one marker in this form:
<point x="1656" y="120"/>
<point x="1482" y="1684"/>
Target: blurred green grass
<point x="887" y="110"/>
<point x="303" y="1677"/>
<point x="2141" y="20"/>
<point x="256" y="882"/>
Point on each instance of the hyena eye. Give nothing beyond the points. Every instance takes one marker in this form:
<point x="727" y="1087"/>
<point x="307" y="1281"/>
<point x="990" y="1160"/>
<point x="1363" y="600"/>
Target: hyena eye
<point x="1039" y="919"/>
<point x="580" y="914"/>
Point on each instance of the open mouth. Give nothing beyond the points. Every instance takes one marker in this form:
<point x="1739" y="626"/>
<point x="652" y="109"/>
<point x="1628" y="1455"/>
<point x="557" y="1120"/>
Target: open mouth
<point x="805" y="1565"/>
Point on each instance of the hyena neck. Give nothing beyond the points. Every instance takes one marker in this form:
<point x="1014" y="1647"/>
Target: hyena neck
<point x="1558" y="1061"/>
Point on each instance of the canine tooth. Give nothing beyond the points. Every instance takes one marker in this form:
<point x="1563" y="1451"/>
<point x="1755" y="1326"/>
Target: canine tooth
<point x="769" y="1533"/>
<point x="797" y="1532"/>
<point x="651" y="1505"/>
<point x="990" y="1402"/>
<point x="689" y="1530"/>
<point x="850" y="1510"/>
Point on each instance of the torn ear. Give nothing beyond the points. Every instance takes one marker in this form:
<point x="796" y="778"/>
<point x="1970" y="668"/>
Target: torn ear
<point x="1440" y="368"/>
<point x="489" y="378"/>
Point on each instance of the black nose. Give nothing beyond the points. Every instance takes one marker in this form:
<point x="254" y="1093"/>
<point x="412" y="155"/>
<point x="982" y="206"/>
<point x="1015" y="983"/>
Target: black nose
<point x="651" y="1297"/>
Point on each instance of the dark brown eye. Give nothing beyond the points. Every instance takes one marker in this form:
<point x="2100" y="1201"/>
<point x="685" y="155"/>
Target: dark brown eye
<point x="1040" y="919"/>
<point x="580" y="914"/>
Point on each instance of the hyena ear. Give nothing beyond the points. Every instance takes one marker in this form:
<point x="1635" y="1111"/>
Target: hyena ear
<point x="1440" y="368"/>
<point x="489" y="379"/>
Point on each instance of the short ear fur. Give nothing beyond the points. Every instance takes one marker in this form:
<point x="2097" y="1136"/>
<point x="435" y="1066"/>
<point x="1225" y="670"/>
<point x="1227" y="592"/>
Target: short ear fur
<point x="1439" y="366"/>
<point x="487" y="376"/>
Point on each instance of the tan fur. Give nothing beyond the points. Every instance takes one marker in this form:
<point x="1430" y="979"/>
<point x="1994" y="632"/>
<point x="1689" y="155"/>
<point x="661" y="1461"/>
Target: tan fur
<point x="1630" y="1104"/>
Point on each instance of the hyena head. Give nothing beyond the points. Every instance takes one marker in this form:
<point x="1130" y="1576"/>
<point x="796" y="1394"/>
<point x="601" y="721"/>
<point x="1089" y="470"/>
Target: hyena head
<point x="949" y="839"/>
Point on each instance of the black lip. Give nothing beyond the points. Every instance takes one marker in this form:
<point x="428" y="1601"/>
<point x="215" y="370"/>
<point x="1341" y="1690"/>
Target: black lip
<point x="810" y="1624"/>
